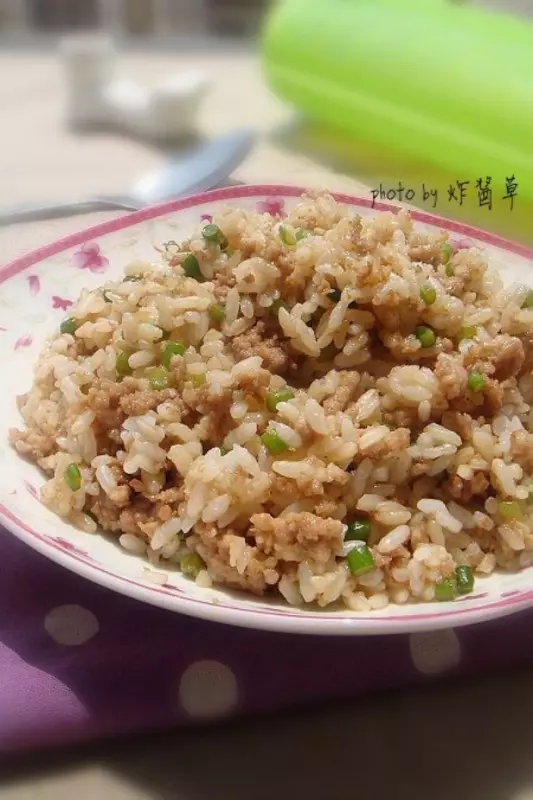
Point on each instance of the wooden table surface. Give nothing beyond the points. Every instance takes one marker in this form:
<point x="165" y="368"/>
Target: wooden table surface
<point x="463" y="741"/>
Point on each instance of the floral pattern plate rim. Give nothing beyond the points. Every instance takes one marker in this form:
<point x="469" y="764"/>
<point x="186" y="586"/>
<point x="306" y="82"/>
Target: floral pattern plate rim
<point x="38" y="288"/>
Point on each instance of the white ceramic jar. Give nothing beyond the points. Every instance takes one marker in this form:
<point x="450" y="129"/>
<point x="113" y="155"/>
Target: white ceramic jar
<point x="88" y="68"/>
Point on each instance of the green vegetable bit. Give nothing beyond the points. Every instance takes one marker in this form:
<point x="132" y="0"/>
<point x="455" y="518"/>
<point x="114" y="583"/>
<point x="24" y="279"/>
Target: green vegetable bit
<point x="428" y="295"/>
<point x="273" y="309"/>
<point x="286" y="236"/>
<point x="197" y="378"/>
<point x="359" y="530"/>
<point x="158" y="377"/>
<point x="122" y="363"/>
<point x="273" y="442"/>
<point x="446" y="590"/>
<point x="68" y="325"/>
<point x="213" y="235"/>
<point x="191" y="564"/>
<point x="476" y="381"/>
<point x="73" y="477"/>
<point x="528" y="301"/>
<point x="426" y="336"/>
<point x="302" y="233"/>
<point x="447" y="252"/>
<point x="449" y="270"/>
<point x="107" y="298"/>
<point x="217" y="313"/>
<point x="172" y="349"/>
<point x="467" y="332"/>
<point x="191" y="267"/>
<point x="224" y="450"/>
<point x="509" y="509"/>
<point x="335" y="295"/>
<point x="464" y="579"/>
<point x="279" y="396"/>
<point x="360" y="561"/>
<point x="131" y="278"/>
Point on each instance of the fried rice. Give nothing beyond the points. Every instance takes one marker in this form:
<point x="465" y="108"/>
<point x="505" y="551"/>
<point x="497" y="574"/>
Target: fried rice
<point x="327" y="408"/>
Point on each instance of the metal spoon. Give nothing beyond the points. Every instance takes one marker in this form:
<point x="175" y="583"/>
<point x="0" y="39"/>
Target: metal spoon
<point x="205" y="169"/>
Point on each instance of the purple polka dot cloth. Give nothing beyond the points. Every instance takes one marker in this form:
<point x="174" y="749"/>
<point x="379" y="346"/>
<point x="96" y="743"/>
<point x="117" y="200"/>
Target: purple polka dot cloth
<point x="78" y="662"/>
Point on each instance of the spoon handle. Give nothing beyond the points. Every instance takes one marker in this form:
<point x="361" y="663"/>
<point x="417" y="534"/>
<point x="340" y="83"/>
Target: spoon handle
<point x="34" y="212"/>
<point x="208" y="167"/>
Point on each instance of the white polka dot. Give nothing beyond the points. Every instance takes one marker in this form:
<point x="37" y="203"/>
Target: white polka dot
<point x="208" y="689"/>
<point x="435" y="651"/>
<point x="71" y="624"/>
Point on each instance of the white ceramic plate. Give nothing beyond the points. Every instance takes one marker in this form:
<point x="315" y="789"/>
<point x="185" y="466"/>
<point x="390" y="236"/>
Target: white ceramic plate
<point x="35" y="293"/>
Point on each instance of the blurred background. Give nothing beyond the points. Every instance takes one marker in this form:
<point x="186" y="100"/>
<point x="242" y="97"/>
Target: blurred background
<point x="148" y="19"/>
<point x="133" y="18"/>
<point x="58" y="145"/>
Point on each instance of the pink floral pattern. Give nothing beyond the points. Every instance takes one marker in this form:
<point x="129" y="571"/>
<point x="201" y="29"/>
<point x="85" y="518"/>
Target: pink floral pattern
<point x="172" y="588"/>
<point x="32" y="490"/>
<point x="90" y="257"/>
<point x="463" y="244"/>
<point x="61" y="302"/>
<point x="272" y="206"/>
<point x="23" y="341"/>
<point x="468" y="597"/>
<point x="206" y="218"/>
<point x="69" y="547"/>
<point x="34" y="283"/>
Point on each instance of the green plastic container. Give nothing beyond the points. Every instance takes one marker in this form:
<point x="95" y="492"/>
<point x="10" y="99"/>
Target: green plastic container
<point x="422" y="91"/>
